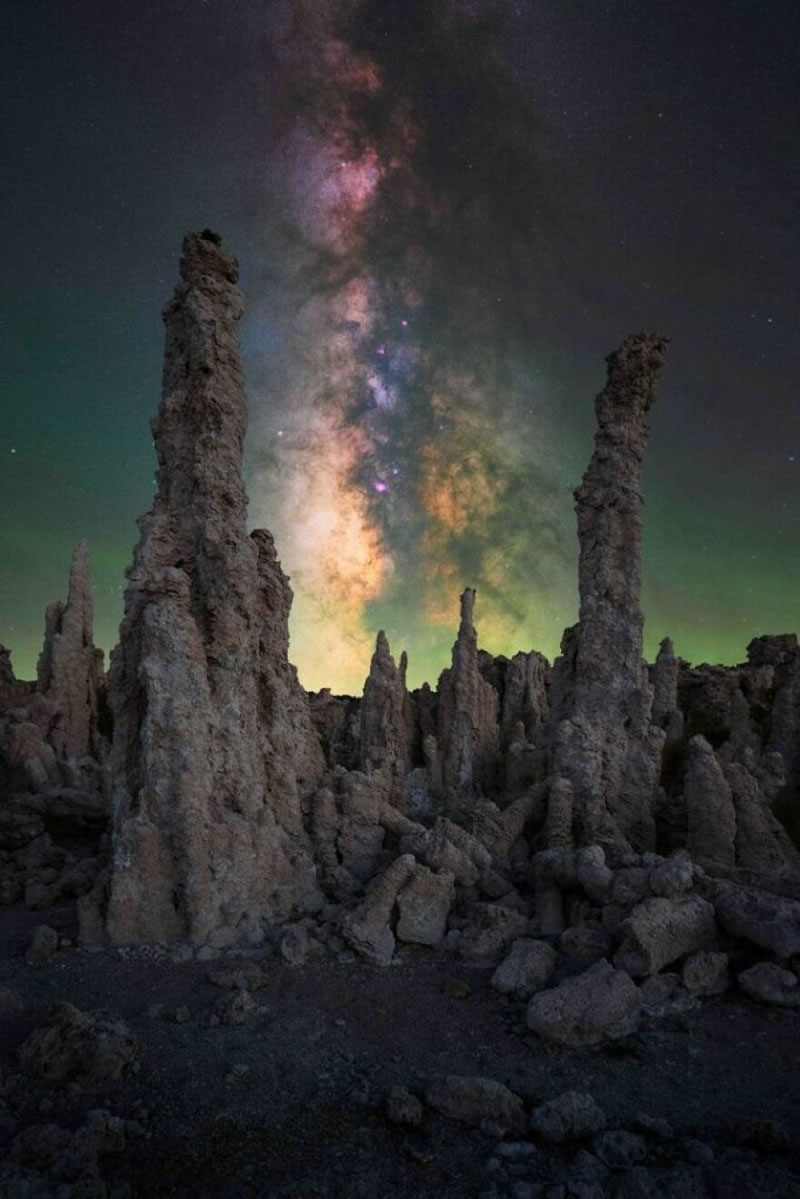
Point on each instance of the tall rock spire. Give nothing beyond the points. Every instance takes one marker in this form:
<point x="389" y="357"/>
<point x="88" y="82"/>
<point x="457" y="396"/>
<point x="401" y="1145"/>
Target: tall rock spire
<point x="467" y="719"/>
<point x="213" y="747"/>
<point x="606" y="746"/>
<point x="70" y="668"/>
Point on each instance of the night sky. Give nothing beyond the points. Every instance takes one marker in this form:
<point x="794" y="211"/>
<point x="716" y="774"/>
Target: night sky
<point x="447" y="212"/>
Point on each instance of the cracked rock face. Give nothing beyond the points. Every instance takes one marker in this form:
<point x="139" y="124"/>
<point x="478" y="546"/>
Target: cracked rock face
<point x="213" y="748"/>
<point x="606" y="746"/>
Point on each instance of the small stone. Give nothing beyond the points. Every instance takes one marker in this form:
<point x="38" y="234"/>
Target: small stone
<point x="657" y="1125"/>
<point x="181" y="954"/>
<point x="567" y="1117"/>
<point x="44" y="944"/>
<point x="475" y="1100"/>
<point x="516" y="1151"/>
<point x="403" y="1108"/>
<point x="457" y="988"/>
<point x="182" y="1015"/>
<point x="698" y="1153"/>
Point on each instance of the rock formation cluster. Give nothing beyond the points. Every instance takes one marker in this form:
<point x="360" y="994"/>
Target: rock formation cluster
<point x="609" y="837"/>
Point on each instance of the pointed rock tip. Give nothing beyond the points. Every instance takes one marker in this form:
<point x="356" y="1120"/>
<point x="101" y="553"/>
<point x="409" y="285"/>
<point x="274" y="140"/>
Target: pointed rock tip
<point x="467" y="605"/>
<point x="202" y="257"/>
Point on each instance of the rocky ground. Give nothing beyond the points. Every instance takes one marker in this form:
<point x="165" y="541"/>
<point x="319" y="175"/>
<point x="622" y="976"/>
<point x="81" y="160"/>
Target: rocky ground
<point x="297" y="1099"/>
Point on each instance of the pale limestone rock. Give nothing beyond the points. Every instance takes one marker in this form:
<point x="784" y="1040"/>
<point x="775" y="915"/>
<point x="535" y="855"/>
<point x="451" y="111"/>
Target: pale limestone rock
<point x="368" y="928"/>
<point x="467" y="720"/>
<point x="770" y="921"/>
<point x="383" y="734"/>
<point x="709" y="806"/>
<point x="475" y="1101"/>
<point x="660" y="930"/>
<point x="605" y="743"/>
<point x="599" y="1005"/>
<point x="568" y="1117"/>
<point x="70" y="669"/>
<point x="706" y="973"/>
<point x="424" y="905"/>
<point x="770" y="983"/>
<point x="213" y="751"/>
<point x="526" y="969"/>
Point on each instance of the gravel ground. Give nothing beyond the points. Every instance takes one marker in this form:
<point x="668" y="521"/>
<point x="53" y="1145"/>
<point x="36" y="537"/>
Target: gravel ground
<point x="293" y="1103"/>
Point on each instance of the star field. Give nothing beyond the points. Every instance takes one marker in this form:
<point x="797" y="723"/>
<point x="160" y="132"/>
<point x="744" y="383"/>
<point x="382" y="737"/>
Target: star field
<point x="447" y="214"/>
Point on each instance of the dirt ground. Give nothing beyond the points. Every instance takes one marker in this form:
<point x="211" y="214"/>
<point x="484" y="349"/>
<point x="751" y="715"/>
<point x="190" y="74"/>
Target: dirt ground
<point x="293" y="1104"/>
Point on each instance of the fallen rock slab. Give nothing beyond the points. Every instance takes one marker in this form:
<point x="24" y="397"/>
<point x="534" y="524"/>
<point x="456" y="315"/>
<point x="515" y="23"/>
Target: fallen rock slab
<point x="661" y="930"/>
<point x="476" y="1101"/>
<point x="602" y="1004"/>
<point x="368" y="928"/>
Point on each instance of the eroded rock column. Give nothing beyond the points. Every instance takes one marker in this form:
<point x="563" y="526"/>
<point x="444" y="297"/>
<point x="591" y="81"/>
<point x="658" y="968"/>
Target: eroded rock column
<point x="606" y="746"/>
<point x="213" y="750"/>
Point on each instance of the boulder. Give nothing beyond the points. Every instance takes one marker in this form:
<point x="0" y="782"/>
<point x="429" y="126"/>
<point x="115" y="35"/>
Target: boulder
<point x="602" y="1004"/>
<point x="660" y="930"/>
<point x="568" y="1117"/>
<point x="767" y="982"/>
<point x="76" y="1046"/>
<point x="44" y="944"/>
<point x="485" y="940"/>
<point x="475" y="1101"/>
<point x="526" y="968"/>
<point x="585" y="944"/>
<point x="770" y="921"/>
<point x="706" y="973"/>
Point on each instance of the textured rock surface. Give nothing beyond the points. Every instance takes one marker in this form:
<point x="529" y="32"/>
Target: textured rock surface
<point x="213" y="745"/>
<point x="605" y="745"/>
<point x="70" y="669"/>
<point x="599" y="1005"/>
<point x="475" y="1100"/>
<point x="770" y="921"/>
<point x="526" y="968"/>
<point x="368" y="929"/>
<point x="384" y="713"/>
<point x="467" y="721"/>
<point x="567" y="1117"/>
<point x="660" y="930"/>
<point x="74" y="1045"/>
<point x="424" y="904"/>
<point x="709" y="806"/>
<point x="769" y="983"/>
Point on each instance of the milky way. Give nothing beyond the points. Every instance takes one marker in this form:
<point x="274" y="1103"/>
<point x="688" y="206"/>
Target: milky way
<point x="399" y="438"/>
